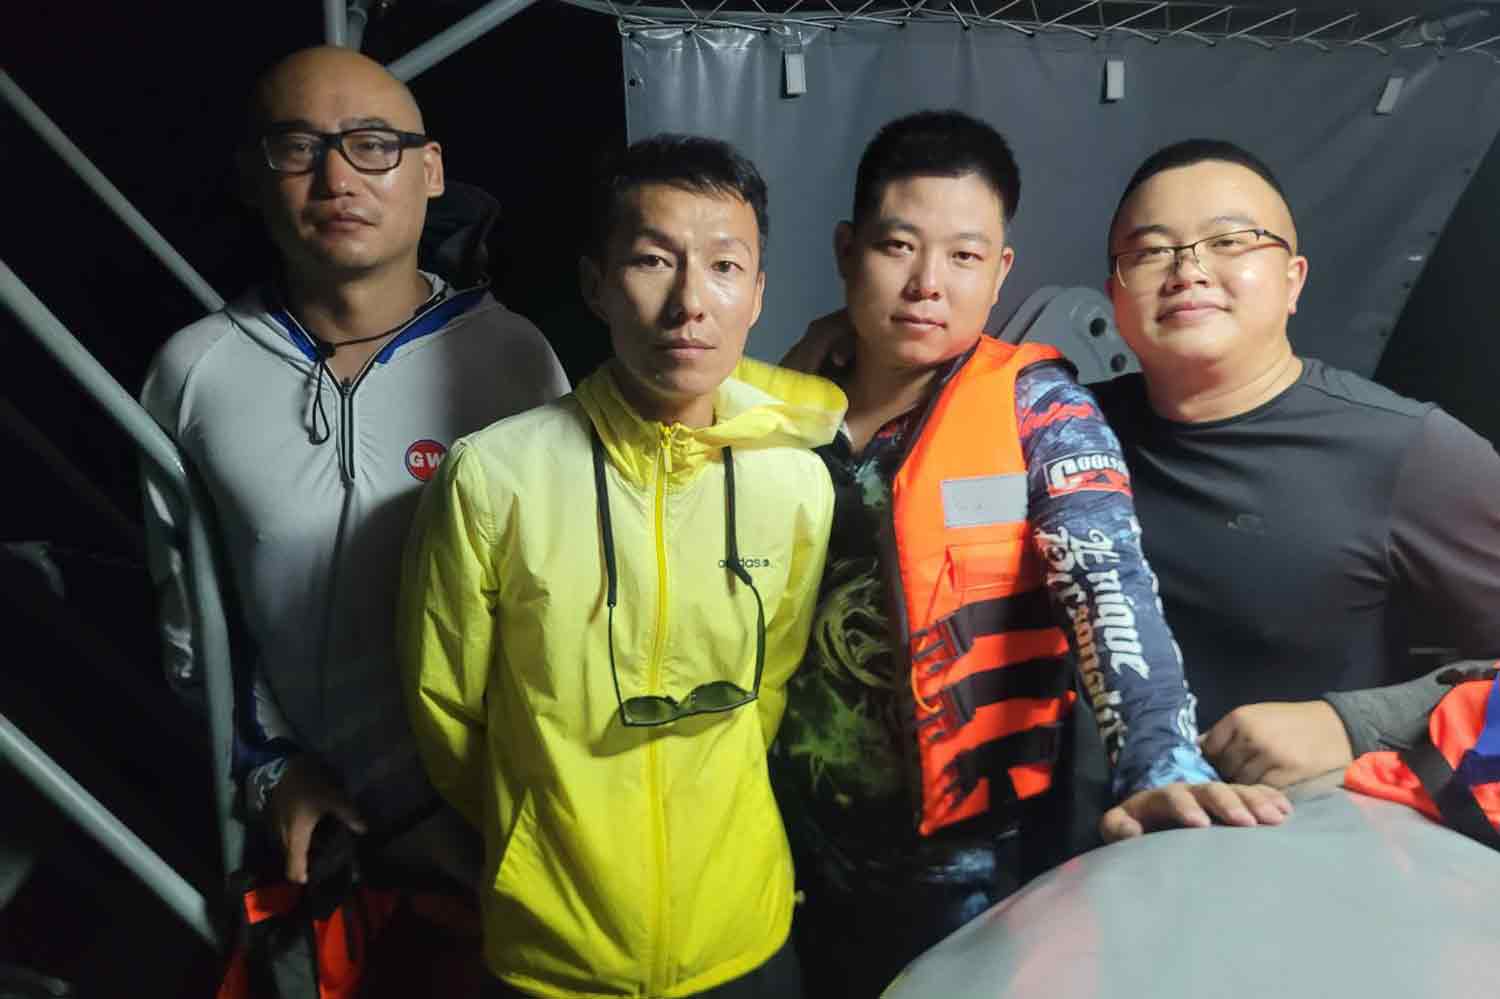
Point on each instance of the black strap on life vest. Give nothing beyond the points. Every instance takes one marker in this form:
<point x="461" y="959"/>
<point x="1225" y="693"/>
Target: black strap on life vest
<point x="1453" y="798"/>
<point x="956" y="632"/>
<point x="994" y="759"/>
<point x="1044" y="678"/>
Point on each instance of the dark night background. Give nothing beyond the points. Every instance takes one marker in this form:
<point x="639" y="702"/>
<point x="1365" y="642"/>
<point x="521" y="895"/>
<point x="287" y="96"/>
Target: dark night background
<point x="153" y="93"/>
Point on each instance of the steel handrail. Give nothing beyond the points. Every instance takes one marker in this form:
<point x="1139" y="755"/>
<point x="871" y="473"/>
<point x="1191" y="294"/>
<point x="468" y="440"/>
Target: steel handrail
<point x="99" y="822"/>
<point x="166" y="469"/>
<point x="94" y="179"/>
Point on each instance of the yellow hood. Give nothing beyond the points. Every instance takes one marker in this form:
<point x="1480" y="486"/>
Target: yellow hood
<point x="758" y="406"/>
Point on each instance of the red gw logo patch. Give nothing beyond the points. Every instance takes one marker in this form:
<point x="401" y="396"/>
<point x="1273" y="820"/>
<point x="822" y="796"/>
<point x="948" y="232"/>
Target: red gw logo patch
<point x="423" y="458"/>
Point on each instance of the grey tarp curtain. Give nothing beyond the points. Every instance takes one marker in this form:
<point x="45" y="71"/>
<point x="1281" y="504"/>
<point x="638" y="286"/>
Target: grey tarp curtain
<point x="1371" y="193"/>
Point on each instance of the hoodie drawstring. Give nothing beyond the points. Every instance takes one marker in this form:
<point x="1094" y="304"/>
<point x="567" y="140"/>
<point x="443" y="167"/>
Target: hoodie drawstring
<point x="326" y="349"/>
<point x="315" y="410"/>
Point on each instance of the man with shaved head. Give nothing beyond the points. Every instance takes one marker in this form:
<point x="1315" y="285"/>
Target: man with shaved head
<point x="313" y="408"/>
<point x="1298" y="516"/>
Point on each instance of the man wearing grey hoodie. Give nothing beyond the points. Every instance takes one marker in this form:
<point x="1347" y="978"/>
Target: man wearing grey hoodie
<point x="313" y="408"/>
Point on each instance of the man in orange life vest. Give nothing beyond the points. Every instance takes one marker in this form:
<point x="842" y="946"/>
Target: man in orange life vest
<point x="983" y="530"/>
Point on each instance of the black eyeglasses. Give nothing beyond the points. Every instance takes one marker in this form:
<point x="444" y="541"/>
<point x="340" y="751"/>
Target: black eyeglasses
<point x="368" y="150"/>
<point x="708" y="698"/>
<point x="1136" y="268"/>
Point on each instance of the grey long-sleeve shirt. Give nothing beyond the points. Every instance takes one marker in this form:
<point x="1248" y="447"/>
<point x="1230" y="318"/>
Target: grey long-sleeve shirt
<point x="1394" y="717"/>
<point x="312" y="486"/>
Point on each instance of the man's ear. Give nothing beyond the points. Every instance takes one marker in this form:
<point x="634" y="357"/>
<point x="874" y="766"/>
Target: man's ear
<point x="1007" y="261"/>
<point x="432" y="168"/>
<point x="843" y="247"/>
<point x="1296" y="279"/>
<point x="591" y="284"/>
<point x="760" y="297"/>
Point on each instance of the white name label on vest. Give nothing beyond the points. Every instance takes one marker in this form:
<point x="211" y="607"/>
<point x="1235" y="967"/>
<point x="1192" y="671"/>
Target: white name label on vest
<point x="982" y="500"/>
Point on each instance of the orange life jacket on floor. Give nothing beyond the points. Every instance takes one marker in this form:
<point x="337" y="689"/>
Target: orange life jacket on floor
<point x="989" y="668"/>
<point x="341" y="937"/>
<point x="376" y="942"/>
<point x="1453" y="775"/>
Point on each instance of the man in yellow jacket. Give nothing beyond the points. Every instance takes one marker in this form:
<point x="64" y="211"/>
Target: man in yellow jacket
<point x="604" y="599"/>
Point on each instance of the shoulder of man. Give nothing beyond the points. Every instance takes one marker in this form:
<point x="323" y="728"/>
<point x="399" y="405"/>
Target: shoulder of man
<point x="489" y="326"/>
<point x="1049" y="390"/>
<point x="1122" y="405"/>
<point x="177" y="359"/>
<point x="1446" y="467"/>
<point x="1341" y="387"/>
<point x="535" y="437"/>
<point x="487" y="314"/>
<point x="792" y="477"/>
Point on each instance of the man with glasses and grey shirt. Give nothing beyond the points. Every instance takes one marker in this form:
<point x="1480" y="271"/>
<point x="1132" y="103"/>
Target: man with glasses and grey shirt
<point x="1299" y="517"/>
<point x="313" y="408"/>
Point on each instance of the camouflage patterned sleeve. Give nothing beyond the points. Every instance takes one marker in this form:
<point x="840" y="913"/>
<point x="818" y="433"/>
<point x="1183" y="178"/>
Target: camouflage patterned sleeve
<point x="1102" y="589"/>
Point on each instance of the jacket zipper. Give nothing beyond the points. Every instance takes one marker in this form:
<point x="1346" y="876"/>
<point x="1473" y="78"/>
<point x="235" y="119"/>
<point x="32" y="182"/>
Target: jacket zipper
<point x="659" y="968"/>
<point x="345" y="445"/>
<point x="346" y="415"/>
<point x="346" y="430"/>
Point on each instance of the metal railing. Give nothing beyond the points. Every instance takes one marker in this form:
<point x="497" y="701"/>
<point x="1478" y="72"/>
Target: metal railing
<point x="1268" y="26"/>
<point x="449" y="41"/>
<point x="109" y="194"/>
<point x="83" y="808"/>
<point x="211" y="642"/>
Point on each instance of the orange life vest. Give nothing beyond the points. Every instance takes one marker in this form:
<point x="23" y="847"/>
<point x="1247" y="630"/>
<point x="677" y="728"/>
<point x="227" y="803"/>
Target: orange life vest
<point x="989" y="673"/>
<point x="364" y="944"/>
<point x="1453" y="776"/>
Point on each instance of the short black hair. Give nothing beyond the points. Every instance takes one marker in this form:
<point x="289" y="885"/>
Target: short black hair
<point x="936" y="144"/>
<point x="1192" y="151"/>
<point x="688" y="162"/>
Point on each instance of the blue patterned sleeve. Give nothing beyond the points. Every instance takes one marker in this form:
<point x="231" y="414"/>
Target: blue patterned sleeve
<point x="1102" y="589"/>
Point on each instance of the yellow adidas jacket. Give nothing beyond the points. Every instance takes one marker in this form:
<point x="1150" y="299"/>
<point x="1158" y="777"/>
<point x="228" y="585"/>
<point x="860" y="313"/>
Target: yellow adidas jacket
<point x="619" y="861"/>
